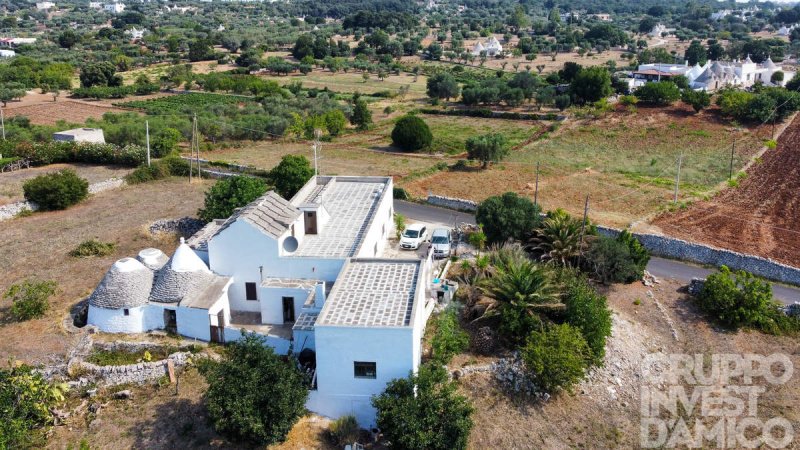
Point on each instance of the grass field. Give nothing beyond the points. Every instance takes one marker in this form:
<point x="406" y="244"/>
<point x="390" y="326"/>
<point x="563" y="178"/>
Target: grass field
<point x="38" y="246"/>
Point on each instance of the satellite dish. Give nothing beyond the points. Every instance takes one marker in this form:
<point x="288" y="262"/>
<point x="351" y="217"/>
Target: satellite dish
<point x="290" y="244"/>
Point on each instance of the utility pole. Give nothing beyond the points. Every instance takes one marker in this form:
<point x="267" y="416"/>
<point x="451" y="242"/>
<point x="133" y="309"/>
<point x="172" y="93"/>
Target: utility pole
<point x="583" y="227"/>
<point x="316" y="146"/>
<point x="3" y="123"/>
<point x="191" y="146"/>
<point x="733" y="149"/>
<point x="147" y="139"/>
<point x="197" y="145"/>
<point x="536" y="188"/>
<point x="678" y="177"/>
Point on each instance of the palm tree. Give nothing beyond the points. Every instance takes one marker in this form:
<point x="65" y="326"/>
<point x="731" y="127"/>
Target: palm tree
<point x="523" y="284"/>
<point x="558" y="238"/>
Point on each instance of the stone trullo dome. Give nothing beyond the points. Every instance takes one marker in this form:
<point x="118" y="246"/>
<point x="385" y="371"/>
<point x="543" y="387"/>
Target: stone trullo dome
<point x="126" y="285"/>
<point x="152" y="258"/>
<point x="183" y="276"/>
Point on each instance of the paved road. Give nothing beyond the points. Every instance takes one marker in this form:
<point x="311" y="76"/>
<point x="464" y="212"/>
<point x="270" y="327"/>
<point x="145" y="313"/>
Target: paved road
<point x="660" y="267"/>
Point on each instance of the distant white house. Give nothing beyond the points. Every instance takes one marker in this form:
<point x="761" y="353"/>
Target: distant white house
<point x="16" y="42"/>
<point x="660" y="30"/>
<point x="114" y="8"/>
<point x="96" y="5"/>
<point x="44" y="6"/>
<point x="92" y="135"/>
<point x="490" y="47"/>
<point x="308" y="274"/>
<point x="714" y="74"/>
<point x="135" y="34"/>
<point x="7" y="53"/>
<point x="785" y="31"/>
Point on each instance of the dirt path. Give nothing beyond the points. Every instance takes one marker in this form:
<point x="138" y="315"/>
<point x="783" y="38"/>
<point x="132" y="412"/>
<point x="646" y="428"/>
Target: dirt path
<point x="761" y="216"/>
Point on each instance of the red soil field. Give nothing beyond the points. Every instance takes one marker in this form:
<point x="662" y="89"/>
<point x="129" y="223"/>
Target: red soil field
<point x="761" y="216"/>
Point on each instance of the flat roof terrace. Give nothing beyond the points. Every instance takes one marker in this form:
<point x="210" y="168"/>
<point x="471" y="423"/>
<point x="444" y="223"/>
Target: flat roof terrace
<point x="351" y="203"/>
<point x="373" y="293"/>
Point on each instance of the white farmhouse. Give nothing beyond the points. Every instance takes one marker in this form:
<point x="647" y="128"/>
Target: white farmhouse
<point x="714" y="75"/>
<point x="114" y="8"/>
<point x="306" y="273"/>
<point x="660" y="30"/>
<point x="491" y="47"/>
<point x="7" y="53"/>
<point x="44" y="6"/>
<point x="91" y="135"/>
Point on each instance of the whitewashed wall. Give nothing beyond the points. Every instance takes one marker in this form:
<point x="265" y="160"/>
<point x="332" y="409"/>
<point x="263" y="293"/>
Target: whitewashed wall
<point x="115" y="320"/>
<point x="271" y="299"/>
<point x="339" y="392"/>
<point x="375" y="238"/>
<point x="193" y="323"/>
<point x="280" y="345"/>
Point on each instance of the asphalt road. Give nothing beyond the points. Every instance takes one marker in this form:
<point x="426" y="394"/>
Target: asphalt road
<point x="660" y="267"/>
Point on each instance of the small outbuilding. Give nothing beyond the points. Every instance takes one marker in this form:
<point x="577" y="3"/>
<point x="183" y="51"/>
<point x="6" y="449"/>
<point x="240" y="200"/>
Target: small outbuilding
<point x="92" y="135"/>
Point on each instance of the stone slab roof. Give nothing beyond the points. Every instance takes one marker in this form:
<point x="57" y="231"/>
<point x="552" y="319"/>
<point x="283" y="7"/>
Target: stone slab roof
<point x="126" y="285"/>
<point x="205" y="298"/>
<point x="373" y="293"/>
<point x="305" y="321"/>
<point x="199" y="241"/>
<point x="351" y="203"/>
<point x="271" y="214"/>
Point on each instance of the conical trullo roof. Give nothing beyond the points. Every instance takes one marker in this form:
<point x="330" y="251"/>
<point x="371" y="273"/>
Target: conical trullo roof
<point x="183" y="276"/>
<point x="152" y="258"/>
<point x="126" y="285"/>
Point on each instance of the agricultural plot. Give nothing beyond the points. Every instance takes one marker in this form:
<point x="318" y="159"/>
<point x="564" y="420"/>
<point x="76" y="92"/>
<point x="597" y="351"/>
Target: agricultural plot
<point x="759" y="216"/>
<point x="193" y="102"/>
<point x="625" y="162"/>
<point x="347" y="82"/>
<point x="47" y="112"/>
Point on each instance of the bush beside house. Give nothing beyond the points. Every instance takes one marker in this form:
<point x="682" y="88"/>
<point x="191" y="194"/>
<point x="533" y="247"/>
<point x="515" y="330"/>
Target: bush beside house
<point x="55" y="191"/>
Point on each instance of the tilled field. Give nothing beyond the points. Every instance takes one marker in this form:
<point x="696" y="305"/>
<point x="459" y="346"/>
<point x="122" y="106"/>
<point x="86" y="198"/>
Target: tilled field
<point x="70" y="111"/>
<point x="761" y="216"/>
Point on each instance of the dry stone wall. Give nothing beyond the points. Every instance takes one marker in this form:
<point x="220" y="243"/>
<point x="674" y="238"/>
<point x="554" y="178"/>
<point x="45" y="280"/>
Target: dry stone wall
<point x="672" y="248"/>
<point x="12" y="209"/>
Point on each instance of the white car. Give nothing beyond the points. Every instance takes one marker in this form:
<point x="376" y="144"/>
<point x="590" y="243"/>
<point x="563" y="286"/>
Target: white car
<point x="413" y="236"/>
<point x="441" y="241"/>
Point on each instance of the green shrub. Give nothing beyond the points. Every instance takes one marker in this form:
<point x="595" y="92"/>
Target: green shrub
<point x="145" y="173"/>
<point x="92" y="247"/>
<point x="610" y="261"/>
<point x="507" y="216"/>
<point x="424" y="412"/>
<point x="25" y="400"/>
<point x="411" y="133"/>
<point x="449" y="339"/>
<point x="58" y="190"/>
<point x="228" y="194"/>
<point x="291" y="174"/>
<point x="29" y="299"/>
<point x="400" y="194"/>
<point x="639" y="254"/>
<point x="344" y="430"/>
<point x="557" y="358"/>
<point x="265" y="400"/>
<point x="659" y="93"/>
<point x="739" y="299"/>
<point x="588" y="311"/>
<point x="176" y="165"/>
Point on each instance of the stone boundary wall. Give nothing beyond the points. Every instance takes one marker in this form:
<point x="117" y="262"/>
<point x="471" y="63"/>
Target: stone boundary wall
<point x="185" y="226"/>
<point x="452" y="203"/>
<point x="672" y="248"/>
<point x="131" y="373"/>
<point x="12" y="209"/>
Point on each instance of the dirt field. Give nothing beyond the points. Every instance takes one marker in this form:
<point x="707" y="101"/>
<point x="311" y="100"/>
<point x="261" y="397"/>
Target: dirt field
<point x="38" y="246"/>
<point x="42" y="110"/>
<point x="11" y="182"/>
<point x="604" y="411"/>
<point x="761" y="216"/>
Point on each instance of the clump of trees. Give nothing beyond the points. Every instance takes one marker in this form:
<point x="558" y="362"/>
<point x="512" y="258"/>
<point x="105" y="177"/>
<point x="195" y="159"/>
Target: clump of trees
<point x="487" y="148"/>
<point x="739" y="299"/>
<point x="424" y="411"/>
<point x="762" y="106"/>
<point x="25" y="402"/>
<point x="228" y="194"/>
<point x="411" y="133"/>
<point x="254" y="395"/>
<point x="507" y="216"/>
<point x="58" y="190"/>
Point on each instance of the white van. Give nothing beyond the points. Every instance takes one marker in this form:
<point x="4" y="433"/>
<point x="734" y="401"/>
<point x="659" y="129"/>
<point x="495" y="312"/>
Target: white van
<point x="441" y="242"/>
